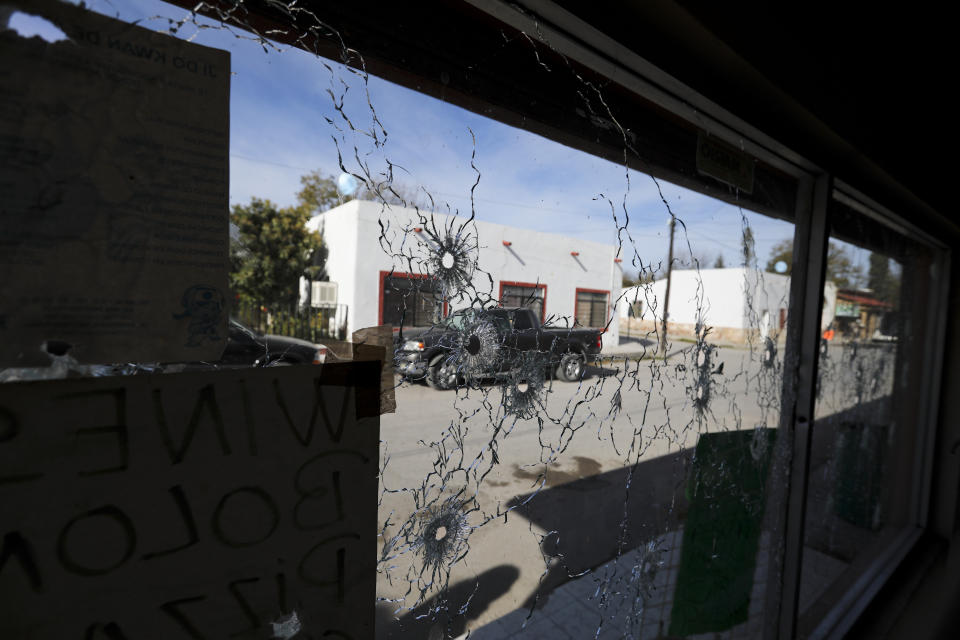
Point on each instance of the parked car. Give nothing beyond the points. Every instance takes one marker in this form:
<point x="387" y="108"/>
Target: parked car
<point x="246" y="347"/>
<point x="494" y="342"/>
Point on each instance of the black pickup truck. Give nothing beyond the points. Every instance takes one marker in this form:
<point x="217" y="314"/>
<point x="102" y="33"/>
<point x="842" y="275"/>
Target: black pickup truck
<point x="490" y="343"/>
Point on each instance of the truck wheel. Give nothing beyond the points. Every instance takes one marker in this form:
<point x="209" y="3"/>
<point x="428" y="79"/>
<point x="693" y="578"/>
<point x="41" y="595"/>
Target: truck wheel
<point x="571" y="367"/>
<point x="442" y="374"/>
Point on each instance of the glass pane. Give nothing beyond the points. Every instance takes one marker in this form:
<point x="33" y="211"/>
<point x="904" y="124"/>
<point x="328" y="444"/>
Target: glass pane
<point x="865" y="435"/>
<point x="597" y="457"/>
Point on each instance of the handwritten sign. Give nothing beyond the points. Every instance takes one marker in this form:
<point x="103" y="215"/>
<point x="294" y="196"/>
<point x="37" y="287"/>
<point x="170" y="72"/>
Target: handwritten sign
<point x="114" y="226"/>
<point x="231" y="504"/>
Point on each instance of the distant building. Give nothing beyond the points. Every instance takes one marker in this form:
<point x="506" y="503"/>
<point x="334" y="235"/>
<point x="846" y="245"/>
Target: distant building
<point x="862" y="316"/>
<point x="566" y="280"/>
<point x="731" y="301"/>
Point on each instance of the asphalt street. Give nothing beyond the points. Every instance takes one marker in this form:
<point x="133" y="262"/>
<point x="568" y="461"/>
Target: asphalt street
<point x="576" y="453"/>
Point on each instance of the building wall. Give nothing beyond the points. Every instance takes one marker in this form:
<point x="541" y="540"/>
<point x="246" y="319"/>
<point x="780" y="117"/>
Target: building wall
<point x="769" y="302"/>
<point x="352" y="233"/>
<point x="340" y="231"/>
<point x="721" y="294"/>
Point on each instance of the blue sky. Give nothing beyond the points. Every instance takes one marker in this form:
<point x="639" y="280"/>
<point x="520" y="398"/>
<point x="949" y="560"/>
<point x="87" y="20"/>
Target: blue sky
<point x="280" y="102"/>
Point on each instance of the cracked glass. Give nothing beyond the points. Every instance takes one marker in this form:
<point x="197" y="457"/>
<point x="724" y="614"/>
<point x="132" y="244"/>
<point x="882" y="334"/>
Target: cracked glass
<point x="866" y="429"/>
<point x="589" y="329"/>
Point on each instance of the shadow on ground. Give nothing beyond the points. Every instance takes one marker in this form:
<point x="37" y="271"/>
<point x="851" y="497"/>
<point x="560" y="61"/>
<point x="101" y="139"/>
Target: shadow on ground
<point x="426" y="623"/>
<point x="586" y="515"/>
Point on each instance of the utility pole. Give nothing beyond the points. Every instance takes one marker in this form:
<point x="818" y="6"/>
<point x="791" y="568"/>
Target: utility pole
<point x="666" y="296"/>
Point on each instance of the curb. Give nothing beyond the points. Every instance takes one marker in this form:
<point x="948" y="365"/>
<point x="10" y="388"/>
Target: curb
<point x="641" y="355"/>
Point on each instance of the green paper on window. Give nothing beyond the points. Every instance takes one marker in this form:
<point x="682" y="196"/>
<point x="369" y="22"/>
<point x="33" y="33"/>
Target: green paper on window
<point x="722" y="531"/>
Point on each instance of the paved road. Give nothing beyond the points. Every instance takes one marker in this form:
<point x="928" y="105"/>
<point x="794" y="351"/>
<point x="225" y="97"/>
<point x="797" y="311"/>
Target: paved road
<point x="588" y="434"/>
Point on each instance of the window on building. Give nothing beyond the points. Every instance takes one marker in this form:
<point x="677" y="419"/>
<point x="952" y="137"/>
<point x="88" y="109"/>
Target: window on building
<point x="519" y="294"/>
<point x="591" y="308"/>
<point x="409" y="300"/>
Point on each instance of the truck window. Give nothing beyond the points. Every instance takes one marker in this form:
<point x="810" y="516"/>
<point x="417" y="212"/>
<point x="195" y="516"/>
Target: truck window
<point x="518" y="294"/>
<point x="500" y="320"/>
<point x="523" y="320"/>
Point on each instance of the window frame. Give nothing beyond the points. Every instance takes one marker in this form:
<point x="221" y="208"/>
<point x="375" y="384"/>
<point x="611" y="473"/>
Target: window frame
<point x="568" y="35"/>
<point x="847" y="609"/>
<point x="550" y="25"/>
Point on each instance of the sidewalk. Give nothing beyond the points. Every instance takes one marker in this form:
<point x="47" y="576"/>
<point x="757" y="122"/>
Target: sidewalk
<point x="627" y="598"/>
<point x="640" y="348"/>
<point x="645" y="348"/>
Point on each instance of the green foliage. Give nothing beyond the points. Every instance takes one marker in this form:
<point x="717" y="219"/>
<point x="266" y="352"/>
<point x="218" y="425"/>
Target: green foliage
<point x="273" y="250"/>
<point x="782" y="251"/>
<point x="306" y="323"/>
<point x="885" y="285"/>
<point x="319" y="192"/>
<point x="273" y="247"/>
<point x="719" y="263"/>
<point x="840" y="267"/>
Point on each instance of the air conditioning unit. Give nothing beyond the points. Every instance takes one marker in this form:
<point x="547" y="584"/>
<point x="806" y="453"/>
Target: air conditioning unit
<point x="323" y="294"/>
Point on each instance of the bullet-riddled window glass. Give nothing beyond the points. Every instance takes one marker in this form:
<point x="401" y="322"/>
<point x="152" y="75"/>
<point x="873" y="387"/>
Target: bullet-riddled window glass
<point x="559" y="456"/>
<point x="583" y="302"/>
<point x="867" y="441"/>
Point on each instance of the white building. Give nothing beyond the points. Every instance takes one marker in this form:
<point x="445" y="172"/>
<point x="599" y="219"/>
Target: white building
<point x="380" y="263"/>
<point x="729" y="300"/>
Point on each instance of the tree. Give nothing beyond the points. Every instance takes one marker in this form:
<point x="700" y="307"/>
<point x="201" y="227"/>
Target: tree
<point x="644" y="277"/>
<point x="781" y="252"/>
<point x="273" y="249"/>
<point x="394" y="193"/>
<point x="885" y="285"/>
<point x="748" y="247"/>
<point x="840" y="267"/>
<point x="719" y="263"/>
<point x="698" y="259"/>
<point x="320" y="193"/>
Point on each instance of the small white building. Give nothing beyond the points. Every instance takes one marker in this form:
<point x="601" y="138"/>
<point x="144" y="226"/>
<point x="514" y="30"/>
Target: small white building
<point x="730" y="301"/>
<point x="382" y="264"/>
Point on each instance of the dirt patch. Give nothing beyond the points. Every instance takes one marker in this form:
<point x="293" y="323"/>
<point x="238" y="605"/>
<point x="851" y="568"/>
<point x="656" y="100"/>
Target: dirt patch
<point x="586" y="467"/>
